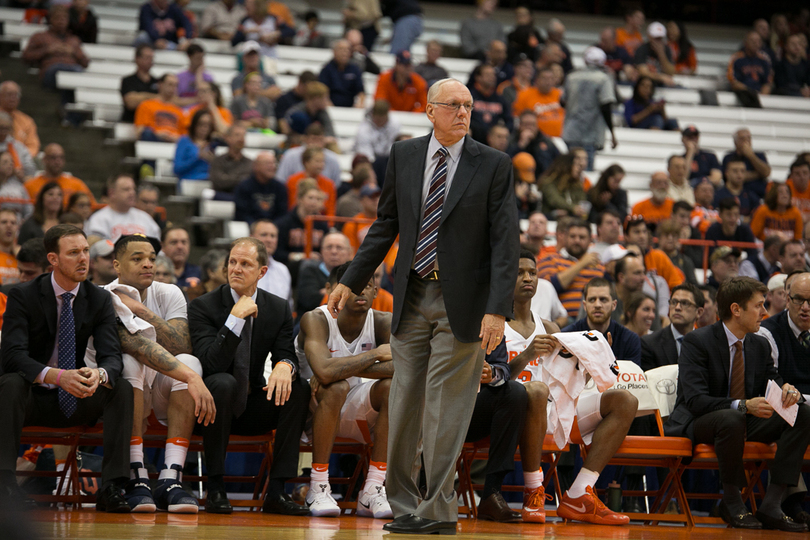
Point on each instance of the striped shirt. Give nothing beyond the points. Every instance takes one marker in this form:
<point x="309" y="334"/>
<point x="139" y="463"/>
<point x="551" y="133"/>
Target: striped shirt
<point x="571" y="297"/>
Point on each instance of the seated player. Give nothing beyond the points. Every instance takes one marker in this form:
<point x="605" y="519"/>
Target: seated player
<point x="346" y="355"/>
<point x="604" y="416"/>
<point x="165" y="378"/>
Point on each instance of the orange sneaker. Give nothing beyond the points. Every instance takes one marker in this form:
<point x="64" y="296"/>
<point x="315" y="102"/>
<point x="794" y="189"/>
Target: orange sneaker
<point x="534" y="501"/>
<point x="589" y="509"/>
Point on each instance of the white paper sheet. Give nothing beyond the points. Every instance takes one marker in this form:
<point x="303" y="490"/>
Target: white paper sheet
<point x="773" y="394"/>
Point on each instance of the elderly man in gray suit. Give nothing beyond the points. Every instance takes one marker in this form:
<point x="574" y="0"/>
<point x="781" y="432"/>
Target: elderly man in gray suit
<point x="451" y="201"/>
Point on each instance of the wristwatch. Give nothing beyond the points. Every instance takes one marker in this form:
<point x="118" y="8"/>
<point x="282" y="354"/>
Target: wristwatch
<point x="741" y="406"/>
<point x="102" y="376"/>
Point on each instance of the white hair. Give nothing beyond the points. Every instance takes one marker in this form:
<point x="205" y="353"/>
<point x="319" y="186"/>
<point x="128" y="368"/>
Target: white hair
<point x="436" y="88"/>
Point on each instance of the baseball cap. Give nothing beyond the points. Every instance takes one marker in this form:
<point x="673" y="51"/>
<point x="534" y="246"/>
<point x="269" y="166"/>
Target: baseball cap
<point x="594" y="56"/>
<point x="251" y="46"/>
<point x="690" y="131"/>
<point x="613" y="253"/>
<point x="102" y="248"/>
<point x="370" y="190"/>
<point x="777" y="281"/>
<point x="525" y="166"/>
<point x="299" y="122"/>
<point x="404" y="58"/>
<point x="656" y="30"/>
<point x="722" y="252"/>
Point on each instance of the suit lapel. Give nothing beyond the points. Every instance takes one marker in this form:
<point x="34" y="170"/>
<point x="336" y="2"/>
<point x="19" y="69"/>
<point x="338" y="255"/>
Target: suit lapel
<point x="671" y="347"/>
<point x="414" y="168"/>
<point x="48" y="303"/>
<point x="469" y="161"/>
<point x="721" y="349"/>
<point x="80" y="306"/>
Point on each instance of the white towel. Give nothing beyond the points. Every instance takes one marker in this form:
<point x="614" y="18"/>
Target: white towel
<point x="132" y="323"/>
<point x="564" y="373"/>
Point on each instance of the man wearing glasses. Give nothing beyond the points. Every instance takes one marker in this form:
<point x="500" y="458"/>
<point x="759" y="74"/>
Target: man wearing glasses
<point x="662" y="348"/>
<point x="789" y="336"/>
<point x="452" y="203"/>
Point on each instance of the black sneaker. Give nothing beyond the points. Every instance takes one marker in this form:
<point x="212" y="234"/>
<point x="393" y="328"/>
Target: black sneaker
<point x="171" y="497"/>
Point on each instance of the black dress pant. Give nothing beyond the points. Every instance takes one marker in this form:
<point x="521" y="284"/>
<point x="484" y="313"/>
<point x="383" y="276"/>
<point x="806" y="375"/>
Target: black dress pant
<point x="260" y="416"/>
<point x="728" y="429"/>
<point x="25" y="404"/>
<point x="499" y="413"/>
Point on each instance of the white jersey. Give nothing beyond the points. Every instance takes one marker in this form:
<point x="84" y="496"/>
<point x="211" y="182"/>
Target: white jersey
<point x="516" y="344"/>
<point x="339" y="347"/>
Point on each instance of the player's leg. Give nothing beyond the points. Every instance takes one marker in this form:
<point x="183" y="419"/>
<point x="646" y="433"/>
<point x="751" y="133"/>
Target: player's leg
<point x="531" y="452"/>
<point x="325" y="421"/>
<point x="174" y="405"/>
<point x="607" y="417"/>
<point x="138" y="490"/>
<point x="373" y="499"/>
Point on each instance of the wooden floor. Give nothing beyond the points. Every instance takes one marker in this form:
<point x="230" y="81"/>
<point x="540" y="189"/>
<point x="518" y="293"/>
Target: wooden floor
<point x="90" y="525"/>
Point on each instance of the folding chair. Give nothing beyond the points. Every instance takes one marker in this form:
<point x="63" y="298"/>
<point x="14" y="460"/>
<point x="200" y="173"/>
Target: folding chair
<point x="68" y="478"/>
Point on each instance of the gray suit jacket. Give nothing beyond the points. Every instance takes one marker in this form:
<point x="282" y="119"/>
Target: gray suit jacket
<point x="478" y="241"/>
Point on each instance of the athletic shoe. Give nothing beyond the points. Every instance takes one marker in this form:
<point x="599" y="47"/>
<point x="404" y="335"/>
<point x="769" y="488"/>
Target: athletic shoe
<point x="321" y="503"/>
<point x="373" y="503"/>
<point x="534" y="502"/>
<point x="138" y="492"/>
<point x="171" y="497"/>
<point x="589" y="509"/>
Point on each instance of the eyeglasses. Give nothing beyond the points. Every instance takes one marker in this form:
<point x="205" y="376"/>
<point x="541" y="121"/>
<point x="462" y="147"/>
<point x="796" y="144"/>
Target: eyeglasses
<point x="683" y="303"/>
<point x="798" y="301"/>
<point x="455" y="106"/>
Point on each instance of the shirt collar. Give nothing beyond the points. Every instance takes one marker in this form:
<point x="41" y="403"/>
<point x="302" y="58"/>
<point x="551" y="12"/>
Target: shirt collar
<point x="59" y="291"/>
<point x="453" y="150"/>
<point x="732" y="339"/>
<point x="793" y="328"/>
<point x="236" y="296"/>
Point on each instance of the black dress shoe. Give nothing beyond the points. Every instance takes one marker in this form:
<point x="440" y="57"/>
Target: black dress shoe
<point x="111" y="499"/>
<point x="281" y="503"/>
<point x="217" y="503"/>
<point x="411" y="524"/>
<point x="800" y="517"/>
<point x="495" y="508"/>
<point x="740" y="521"/>
<point x="12" y="497"/>
<point x="781" y="523"/>
<point x="632" y="505"/>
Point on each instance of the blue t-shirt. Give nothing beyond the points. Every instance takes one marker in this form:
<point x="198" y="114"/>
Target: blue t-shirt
<point x="626" y="344"/>
<point x="344" y="85"/>
<point x="748" y="200"/>
<point x="756" y="187"/>
<point x="702" y="165"/>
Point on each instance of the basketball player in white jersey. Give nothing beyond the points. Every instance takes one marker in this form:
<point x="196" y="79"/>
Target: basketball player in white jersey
<point x="350" y="362"/>
<point x="165" y="378"/>
<point x="607" y="416"/>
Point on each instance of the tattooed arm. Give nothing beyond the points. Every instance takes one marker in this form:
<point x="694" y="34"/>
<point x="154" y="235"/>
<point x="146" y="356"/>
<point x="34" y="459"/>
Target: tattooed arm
<point x="173" y="335"/>
<point x="153" y="355"/>
<point x="379" y="370"/>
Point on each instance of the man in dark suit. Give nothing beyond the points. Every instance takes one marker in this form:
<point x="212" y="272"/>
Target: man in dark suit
<point x="661" y="348"/>
<point x="723" y="372"/>
<point x="454" y="280"/>
<point x="788" y="334"/>
<point x="45" y="381"/>
<point x="233" y="328"/>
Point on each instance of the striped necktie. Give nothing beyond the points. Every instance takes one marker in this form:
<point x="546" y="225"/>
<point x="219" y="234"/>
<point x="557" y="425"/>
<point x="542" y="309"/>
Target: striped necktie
<point x="429" y="233"/>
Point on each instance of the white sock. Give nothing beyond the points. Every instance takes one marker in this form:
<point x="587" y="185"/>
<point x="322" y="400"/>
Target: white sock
<point x="375" y="475"/>
<point x="135" y="455"/>
<point x="533" y="480"/>
<point x="586" y="478"/>
<point x="318" y="477"/>
<point x="175" y="453"/>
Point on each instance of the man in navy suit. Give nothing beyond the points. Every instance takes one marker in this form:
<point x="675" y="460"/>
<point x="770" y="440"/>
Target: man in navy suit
<point x="44" y="380"/>
<point x="723" y="372"/>
<point x="452" y="203"/>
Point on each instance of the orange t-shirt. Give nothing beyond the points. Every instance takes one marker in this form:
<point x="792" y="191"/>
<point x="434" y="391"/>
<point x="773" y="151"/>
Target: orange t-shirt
<point x="690" y="65"/>
<point x="161" y="117"/>
<point x="550" y="114"/>
<point x="801" y="200"/>
<point x="69" y="184"/>
<point x="8" y="270"/>
<point x="352" y="229"/>
<point x="324" y="184"/>
<point x="651" y="212"/>
<point x="767" y="222"/>
<point x="628" y="41"/>
<point x="411" y="98"/>
<point x="281" y="12"/>
<point x="657" y="260"/>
